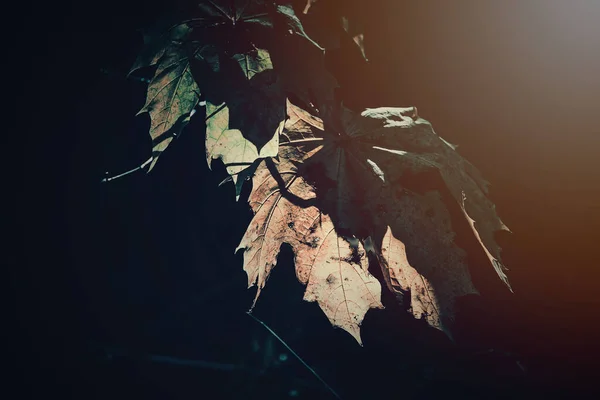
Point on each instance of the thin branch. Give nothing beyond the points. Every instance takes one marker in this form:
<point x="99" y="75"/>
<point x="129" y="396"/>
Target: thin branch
<point x="201" y="104"/>
<point x="295" y="355"/>
<point x="148" y="161"/>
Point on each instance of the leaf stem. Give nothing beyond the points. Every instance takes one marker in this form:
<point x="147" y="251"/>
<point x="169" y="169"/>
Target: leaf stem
<point x="295" y="355"/>
<point x="222" y="106"/>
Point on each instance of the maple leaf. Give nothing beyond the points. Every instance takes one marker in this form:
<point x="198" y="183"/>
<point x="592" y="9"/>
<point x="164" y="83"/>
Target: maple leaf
<point x="218" y="54"/>
<point x="234" y="25"/>
<point x="240" y="27"/>
<point x="235" y="151"/>
<point x="246" y="122"/>
<point x="157" y="40"/>
<point x="424" y="151"/>
<point x="334" y="187"/>
<point x="257" y="107"/>
<point x="345" y="184"/>
<point x="332" y="267"/>
<point x="172" y="95"/>
<point x="254" y="62"/>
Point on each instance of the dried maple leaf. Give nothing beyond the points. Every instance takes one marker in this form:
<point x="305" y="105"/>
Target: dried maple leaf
<point x="342" y="183"/>
<point x="332" y="267"/>
<point x="424" y="151"/>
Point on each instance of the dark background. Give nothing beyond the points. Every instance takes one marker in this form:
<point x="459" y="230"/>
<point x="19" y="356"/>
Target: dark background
<point x="108" y="277"/>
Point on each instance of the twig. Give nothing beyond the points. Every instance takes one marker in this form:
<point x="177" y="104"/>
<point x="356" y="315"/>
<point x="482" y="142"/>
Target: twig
<point x="148" y="161"/>
<point x="201" y="104"/>
<point x="295" y="355"/>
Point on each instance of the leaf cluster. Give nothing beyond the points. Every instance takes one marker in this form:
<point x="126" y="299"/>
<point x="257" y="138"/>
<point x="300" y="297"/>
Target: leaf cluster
<point x="335" y="184"/>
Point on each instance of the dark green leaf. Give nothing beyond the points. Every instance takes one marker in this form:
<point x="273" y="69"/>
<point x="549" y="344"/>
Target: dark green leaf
<point x="157" y="42"/>
<point x="172" y="95"/>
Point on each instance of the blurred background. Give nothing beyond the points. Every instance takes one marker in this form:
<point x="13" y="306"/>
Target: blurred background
<point x="131" y="289"/>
